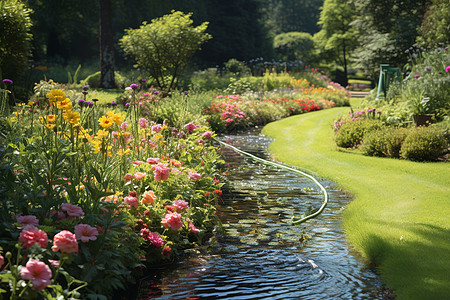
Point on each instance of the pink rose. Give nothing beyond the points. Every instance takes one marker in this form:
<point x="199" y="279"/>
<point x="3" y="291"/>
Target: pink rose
<point x="66" y="242"/>
<point x="127" y="177"/>
<point x="85" y="233"/>
<point x="191" y="127"/>
<point x="72" y="211"/>
<point x="156" y="239"/>
<point x="172" y="220"/>
<point x="194" y="175"/>
<point x="152" y="160"/>
<point x="161" y="171"/>
<point x="139" y="175"/>
<point x="27" y="220"/>
<point x="2" y="261"/>
<point x="132" y="201"/>
<point x="180" y="205"/>
<point x="207" y="134"/>
<point x="31" y="235"/>
<point x="192" y="228"/>
<point x="143" y="123"/>
<point x="156" y="128"/>
<point x="38" y="272"/>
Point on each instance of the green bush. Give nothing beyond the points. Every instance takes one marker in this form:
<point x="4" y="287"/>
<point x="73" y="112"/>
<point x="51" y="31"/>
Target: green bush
<point x="385" y="142"/>
<point x="351" y="134"/>
<point x="15" y="39"/>
<point x="424" y="144"/>
<point x="94" y="80"/>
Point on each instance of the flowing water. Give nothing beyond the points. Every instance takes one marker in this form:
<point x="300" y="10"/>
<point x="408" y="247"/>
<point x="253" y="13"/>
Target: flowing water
<point x="262" y="256"/>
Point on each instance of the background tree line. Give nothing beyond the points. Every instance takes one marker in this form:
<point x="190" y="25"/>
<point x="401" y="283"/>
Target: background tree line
<point x="357" y="33"/>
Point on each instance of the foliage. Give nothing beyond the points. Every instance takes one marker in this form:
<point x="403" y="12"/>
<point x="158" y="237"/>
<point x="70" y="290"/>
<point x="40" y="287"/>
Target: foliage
<point x="424" y="144"/>
<point x="143" y="191"/>
<point x="336" y="37"/>
<point x="435" y="24"/>
<point x="386" y="29"/>
<point x="93" y="80"/>
<point x="210" y="79"/>
<point x="164" y="47"/>
<point x="291" y="46"/>
<point x="15" y="39"/>
<point x="351" y="134"/>
<point x="385" y="142"/>
<point x="237" y="67"/>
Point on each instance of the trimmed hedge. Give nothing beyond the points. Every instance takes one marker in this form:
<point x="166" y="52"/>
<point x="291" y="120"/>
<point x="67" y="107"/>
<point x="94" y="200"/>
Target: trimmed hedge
<point x="351" y="134"/>
<point x="424" y="144"/>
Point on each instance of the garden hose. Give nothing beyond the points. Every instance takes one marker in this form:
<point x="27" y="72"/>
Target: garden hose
<point x="325" y="194"/>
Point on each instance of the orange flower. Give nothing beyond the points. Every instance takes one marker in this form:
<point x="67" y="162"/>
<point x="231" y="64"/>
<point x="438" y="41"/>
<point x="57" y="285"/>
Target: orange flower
<point x="148" y="197"/>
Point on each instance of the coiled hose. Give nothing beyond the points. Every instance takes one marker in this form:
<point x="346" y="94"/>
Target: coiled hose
<point x="325" y="194"/>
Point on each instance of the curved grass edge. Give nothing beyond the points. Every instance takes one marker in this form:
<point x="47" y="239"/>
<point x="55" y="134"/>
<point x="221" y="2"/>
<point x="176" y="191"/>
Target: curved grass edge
<point x="398" y="218"/>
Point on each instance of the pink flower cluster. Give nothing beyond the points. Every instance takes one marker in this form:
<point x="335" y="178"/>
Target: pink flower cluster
<point x="191" y="127"/>
<point x="38" y="272"/>
<point x="85" y="233"/>
<point x="180" y="205"/>
<point x="72" y="211"/>
<point x="143" y="123"/>
<point x="66" y="242"/>
<point x="194" y="175"/>
<point x="161" y="171"/>
<point x="172" y="220"/>
<point x="27" y="220"/>
<point x="31" y="235"/>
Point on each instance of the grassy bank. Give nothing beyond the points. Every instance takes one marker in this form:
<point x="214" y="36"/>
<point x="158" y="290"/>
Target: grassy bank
<point x="399" y="218"/>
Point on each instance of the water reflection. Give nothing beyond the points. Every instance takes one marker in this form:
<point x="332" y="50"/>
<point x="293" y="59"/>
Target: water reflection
<point x="262" y="257"/>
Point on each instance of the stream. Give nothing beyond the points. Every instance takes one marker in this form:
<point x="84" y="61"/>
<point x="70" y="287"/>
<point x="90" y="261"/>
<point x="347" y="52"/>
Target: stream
<point x="262" y="256"/>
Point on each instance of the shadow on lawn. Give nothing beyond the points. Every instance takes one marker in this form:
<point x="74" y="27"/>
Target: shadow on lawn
<point x="416" y="265"/>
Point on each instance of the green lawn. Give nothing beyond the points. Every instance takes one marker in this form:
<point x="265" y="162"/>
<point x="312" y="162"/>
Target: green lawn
<point x="399" y="218"/>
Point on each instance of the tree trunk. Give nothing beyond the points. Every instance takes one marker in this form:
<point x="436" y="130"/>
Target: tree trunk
<point x="345" y="66"/>
<point x="106" y="45"/>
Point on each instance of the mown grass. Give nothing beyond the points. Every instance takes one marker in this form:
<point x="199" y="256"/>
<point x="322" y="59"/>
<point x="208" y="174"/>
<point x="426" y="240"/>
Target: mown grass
<point x="399" y="217"/>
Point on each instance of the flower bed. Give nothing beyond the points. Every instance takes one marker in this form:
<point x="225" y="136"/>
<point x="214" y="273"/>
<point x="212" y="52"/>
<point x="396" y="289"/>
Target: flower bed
<point x="90" y="197"/>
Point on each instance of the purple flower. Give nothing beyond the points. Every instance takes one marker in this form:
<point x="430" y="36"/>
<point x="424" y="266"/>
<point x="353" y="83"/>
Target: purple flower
<point x="90" y="104"/>
<point x="127" y="104"/>
<point x="156" y="92"/>
<point x="7" y="81"/>
<point x="143" y="80"/>
<point x="134" y="86"/>
<point x="113" y="104"/>
<point x="378" y="111"/>
<point x="85" y="88"/>
<point x="186" y="92"/>
<point x="81" y="102"/>
<point x="447" y="69"/>
<point x="95" y="100"/>
<point x="416" y="76"/>
<point x="370" y="110"/>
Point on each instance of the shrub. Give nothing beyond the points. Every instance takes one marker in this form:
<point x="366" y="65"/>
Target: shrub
<point x="94" y="80"/>
<point x="15" y="39"/>
<point x="424" y="144"/>
<point x="351" y="134"/>
<point x="164" y="47"/>
<point x="385" y="142"/>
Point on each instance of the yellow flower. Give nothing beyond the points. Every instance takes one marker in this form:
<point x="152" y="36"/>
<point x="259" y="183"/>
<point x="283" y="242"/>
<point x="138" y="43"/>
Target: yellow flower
<point x="116" y="118"/>
<point x="97" y="145"/>
<point x="64" y="104"/>
<point x="50" y="126"/>
<point x="72" y="117"/>
<point x="102" y="133"/>
<point x="121" y="152"/>
<point x="56" y="95"/>
<point x="158" y="136"/>
<point x="51" y="118"/>
<point x="105" y="122"/>
<point x="30" y="103"/>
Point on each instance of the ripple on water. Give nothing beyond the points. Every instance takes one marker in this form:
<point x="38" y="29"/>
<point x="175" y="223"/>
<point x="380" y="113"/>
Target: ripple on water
<point x="262" y="257"/>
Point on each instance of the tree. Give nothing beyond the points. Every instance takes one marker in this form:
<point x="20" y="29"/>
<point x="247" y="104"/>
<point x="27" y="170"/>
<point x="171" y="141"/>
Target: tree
<point x="165" y="46"/>
<point x="15" y="39"/>
<point x="337" y="38"/>
<point x="294" y="46"/>
<point x="435" y="26"/>
<point x="106" y="43"/>
<point x="387" y="29"/>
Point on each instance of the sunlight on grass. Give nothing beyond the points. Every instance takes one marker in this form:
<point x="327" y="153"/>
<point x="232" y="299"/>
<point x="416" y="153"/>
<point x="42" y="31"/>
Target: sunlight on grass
<point x="399" y="216"/>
